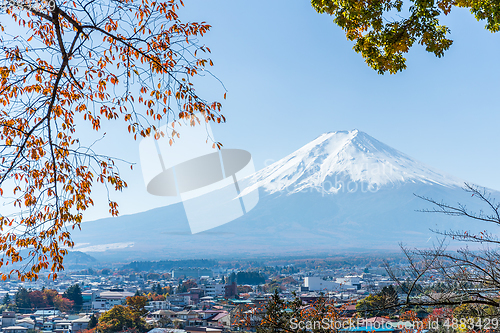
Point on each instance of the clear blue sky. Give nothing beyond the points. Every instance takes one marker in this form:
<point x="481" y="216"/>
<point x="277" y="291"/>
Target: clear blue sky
<point x="291" y="75"/>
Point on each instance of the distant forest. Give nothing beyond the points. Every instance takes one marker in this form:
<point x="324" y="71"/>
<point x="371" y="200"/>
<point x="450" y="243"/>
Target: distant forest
<point x="165" y="265"/>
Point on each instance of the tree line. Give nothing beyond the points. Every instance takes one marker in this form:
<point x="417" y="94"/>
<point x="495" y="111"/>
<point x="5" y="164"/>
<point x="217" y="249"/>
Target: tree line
<point x="28" y="300"/>
<point x="146" y="266"/>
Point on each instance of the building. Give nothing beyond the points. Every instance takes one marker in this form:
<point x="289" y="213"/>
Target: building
<point x="164" y="314"/>
<point x="383" y="283"/>
<point x="27" y="323"/>
<point x="180" y="301"/>
<point x="80" y="324"/>
<point x="189" y="317"/>
<point x="107" y="299"/>
<point x="314" y="283"/>
<point x="47" y="313"/>
<point x="166" y="330"/>
<point x="15" y="329"/>
<point x="231" y="290"/>
<point x="350" y="281"/>
<point x="192" y="273"/>
<point x="214" y="289"/>
<point x="221" y="319"/>
<point x="87" y="298"/>
<point x="8" y="319"/>
<point x="63" y="326"/>
<point x="191" y="329"/>
<point x="194" y="298"/>
<point x="158" y="305"/>
<point x="48" y="326"/>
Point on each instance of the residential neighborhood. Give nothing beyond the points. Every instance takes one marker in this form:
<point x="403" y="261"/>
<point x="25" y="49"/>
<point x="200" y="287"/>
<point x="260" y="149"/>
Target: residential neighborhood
<point x="183" y="300"/>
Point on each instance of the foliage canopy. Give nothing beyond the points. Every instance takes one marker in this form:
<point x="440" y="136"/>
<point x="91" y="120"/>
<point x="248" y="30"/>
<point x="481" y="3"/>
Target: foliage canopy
<point x="66" y="63"/>
<point x="383" y="33"/>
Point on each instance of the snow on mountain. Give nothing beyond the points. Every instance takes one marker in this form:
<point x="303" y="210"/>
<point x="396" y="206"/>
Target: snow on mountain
<point x="333" y="161"/>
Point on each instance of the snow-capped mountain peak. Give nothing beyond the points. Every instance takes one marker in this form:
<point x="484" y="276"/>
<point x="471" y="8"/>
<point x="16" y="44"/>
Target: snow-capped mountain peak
<point x="343" y="161"/>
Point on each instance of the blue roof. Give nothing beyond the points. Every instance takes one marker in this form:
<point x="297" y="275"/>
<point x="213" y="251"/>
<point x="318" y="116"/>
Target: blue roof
<point x="47" y="313"/>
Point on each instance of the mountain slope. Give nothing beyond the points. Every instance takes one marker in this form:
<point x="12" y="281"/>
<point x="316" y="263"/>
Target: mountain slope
<point x="338" y="158"/>
<point x="343" y="190"/>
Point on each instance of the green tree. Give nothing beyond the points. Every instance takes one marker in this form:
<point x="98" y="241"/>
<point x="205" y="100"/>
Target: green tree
<point x="253" y="278"/>
<point x="159" y="289"/>
<point x="23" y="303"/>
<point x="93" y="322"/>
<point x="280" y="315"/>
<point x="74" y="293"/>
<point x="382" y="304"/>
<point x="153" y="276"/>
<point x="186" y="285"/>
<point x="275" y="319"/>
<point x="231" y="278"/>
<point x="383" y="42"/>
<point x="154" y="289"/>
<point x="6" y="299"/>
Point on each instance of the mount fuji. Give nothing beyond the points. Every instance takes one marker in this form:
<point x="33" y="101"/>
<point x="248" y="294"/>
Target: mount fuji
<point x="342" y="191"/>
<point x="346" y="157"/>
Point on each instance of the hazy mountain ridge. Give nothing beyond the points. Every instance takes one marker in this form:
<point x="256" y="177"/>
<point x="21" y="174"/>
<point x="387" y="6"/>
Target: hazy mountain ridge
<point x="72" y="260"/>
